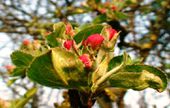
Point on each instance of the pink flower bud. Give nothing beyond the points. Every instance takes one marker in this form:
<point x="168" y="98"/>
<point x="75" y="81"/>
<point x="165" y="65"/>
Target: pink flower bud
<point x="10" y="67"/>
<point x="72" y="33"/>
<point x="36" y="44"/>
<point x="68" y="28"/>
<point x="47" y="33"/>
<point x="86" y="60"/>
<point x="112" y="33"/>
<point x="94" y="41"/>
<point x="26" y="42"/>
<point x="68" y="44"/>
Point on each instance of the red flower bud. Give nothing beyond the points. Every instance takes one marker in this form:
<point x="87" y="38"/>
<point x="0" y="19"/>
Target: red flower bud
<point x="86" y="60"/>
<point x="26" y="42"/>
<point x="112" y="33"/>
<point x="94" y="41"/>
<point x="68" y="44"/>
<point x="113" y="8"/>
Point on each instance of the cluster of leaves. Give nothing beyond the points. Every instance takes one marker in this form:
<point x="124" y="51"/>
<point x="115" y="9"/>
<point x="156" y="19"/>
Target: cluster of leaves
<point x="83" y="60"/>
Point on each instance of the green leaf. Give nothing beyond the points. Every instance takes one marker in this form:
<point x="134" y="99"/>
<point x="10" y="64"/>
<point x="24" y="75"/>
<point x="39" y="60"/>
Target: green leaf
<point x="99" y="19"/>
<point x="116" y="61"/>
<point x="68" y="67"/>
<point x="57" y="68"/>
<point x="120" y="15"/>
<point x="20" y="58"/>
<point x="42" y="71"/>
<point x="59" y="32"/>
<point x="22" y="61"/>
<point x="19" y="71"/>
<point x="83" y="34"/>
<point x="139" y="77"/>
<point x="11" y="81"/>
<point x="101" y="69"/>
<point x="97" y="1"/>
<point x="104" y="78"/>
<point x="59" y="63"/>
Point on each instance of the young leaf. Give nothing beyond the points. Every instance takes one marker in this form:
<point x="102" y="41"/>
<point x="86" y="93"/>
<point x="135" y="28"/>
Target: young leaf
<point x="100" y="19"/>
<point x="57" y="68"/>
<point x="117" y="60"/>
<point x="101" y="70"/>
<point x="22" y="61"/>
<point x="19" y="71"/>
<point x="120" y="15"/>
<point x="59" y="32"/>
<point x="83" y="34"/>
<point x="139" y="77"/>
<point x="20" y="58"/>
<point x="57" y="63"/>
<point x="68" y="67"/>
<point x="42" y="71"/>
<point x="107" y="75"/>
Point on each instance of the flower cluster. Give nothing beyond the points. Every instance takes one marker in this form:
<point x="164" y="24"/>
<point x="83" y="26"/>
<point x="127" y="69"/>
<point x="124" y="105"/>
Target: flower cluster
<point x="92" y="43"/>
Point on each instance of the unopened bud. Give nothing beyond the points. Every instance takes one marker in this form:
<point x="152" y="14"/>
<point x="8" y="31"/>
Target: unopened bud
<point x="68" y="44"/>
<point x="85" y="58"/>
<point x="10" y="67"/>
<point x="26" y="42"/>
<point x="94" y="41"/>
<point x="112" y="32"/>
